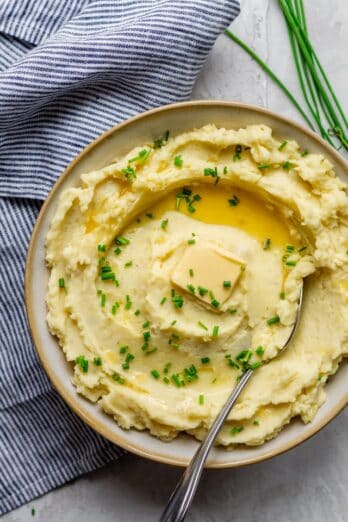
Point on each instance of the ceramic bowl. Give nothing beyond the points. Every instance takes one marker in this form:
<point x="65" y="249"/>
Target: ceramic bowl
<point x="115" y="142"/>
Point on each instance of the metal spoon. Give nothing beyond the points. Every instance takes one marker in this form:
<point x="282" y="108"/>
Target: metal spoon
<point x="183" y="494"/>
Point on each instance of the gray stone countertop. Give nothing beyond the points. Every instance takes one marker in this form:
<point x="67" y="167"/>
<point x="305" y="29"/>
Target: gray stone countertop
<point x="308" y="483"/>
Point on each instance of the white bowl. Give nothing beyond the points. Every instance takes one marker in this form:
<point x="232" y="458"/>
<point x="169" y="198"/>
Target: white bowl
<point x="117" y="141"/>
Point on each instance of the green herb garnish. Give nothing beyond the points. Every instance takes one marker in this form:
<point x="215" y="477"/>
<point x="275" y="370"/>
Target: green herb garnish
<point x="202" y="325"/>
<point x="236" y="429"/>
<point x="201" y="399"/>
<point x="234" y="201"/>
<point x="266" y="245"/>
<point x="227" y="284"/>
<point x="215" y="303"/>
<point x="205" y="360"/>
<point x="215" y="331"/>
<point x="164" y="224"/>
<point x="97" y="361"/>
<point x="82" y="362"/>
<point x="273" y="320"/>
<point x="163" y="300"/>
<point x="101" y="248"/>
<point x="178" y="161"/>
<point x="128" y="304"/>
<point x="160" y="142"/>
<point x="61" y="283"/>
<point x="120" y="240"/>
<point x="260" y="351"/>
<point x="282" y="145"/>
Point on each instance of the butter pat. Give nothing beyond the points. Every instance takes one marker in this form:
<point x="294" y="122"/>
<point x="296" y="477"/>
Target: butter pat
<point x="202" y="268"/>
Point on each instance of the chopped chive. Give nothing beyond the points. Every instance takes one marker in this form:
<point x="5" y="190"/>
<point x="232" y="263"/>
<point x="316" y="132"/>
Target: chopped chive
<point x="256" y="422"/>
<point x="304" y="153"/>
<point x="201" y="399"/>
<point x="282" y="295"/>
<point x="262" y="166"/>
<point x="128" y="264"/>
<point x="202" y="325"/>
<point x="155" y="374"/>
<point x="118" y="251"/>
<point x="147" y="336"/>
<point x="97" y="361"/>
<point x="304" y="248"/>
<point x="266" y="245"/>
<point x="260" y="351"/>
<point x="178" y="161"/>
<point x="191" y="272"/>
<point x="227" y="284"/>
<point x="175" y="378"/>
<point x="160" y="142"/>
<point x="234" y="201"/>
<point x="125" y="366"/>
<point x="205" y="360"/>
<point x="215" y="303"/>
<point x="233" y="311"/>
<point x="232" y="363"/>
<point x="61" y="282"/>
<point x="289" y="248"/>
<point x="128" y="303"/>
<point x="173" y="322"/>
<point x="167" y="367"/>
<point x="244" y="356"/>
<point x="215" y="331"/>
<point x="164" y="224"/>
<point x="288" y="165"/>
<point x="129" y="357"/>
<point x="142" y="156"/>
<point x="137" y="312"/>
<point x="191" y="289"/>
<point x="197" y="197"/>
<point x="146" y="324"/>
<point x="150" y="215"/>
<point x="254" y="365"/>
<point x="129" y="173"/>
<point x="202" y="291"/>
<point x="118" y="378"/>
<point x="124" y="348"/>
<point x="177" y="301"/>
<point x="191" y="241"/>
<point x="210" y="172"/>
<point x="102" y="300"/>
<point x="273" y="320"/>
<point x="236" y="429"/>
<point x="282" y="145"/>
<point x="114" y="308"/>
<point x="290" y="263"/>
<point x="82" y="362"/>
<point x="120" y="240"/>
<point x="166" y="380"/>
<point x="101" y="248"/>
<point x="163" y="300"/>
<point x="107" y="276"/>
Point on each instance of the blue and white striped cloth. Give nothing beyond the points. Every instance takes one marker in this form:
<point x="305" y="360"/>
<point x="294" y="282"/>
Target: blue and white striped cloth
<point x="70" y="69"/>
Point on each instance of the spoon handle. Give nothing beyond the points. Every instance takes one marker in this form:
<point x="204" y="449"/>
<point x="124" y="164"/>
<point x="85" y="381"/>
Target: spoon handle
<point x="185" y="490"/>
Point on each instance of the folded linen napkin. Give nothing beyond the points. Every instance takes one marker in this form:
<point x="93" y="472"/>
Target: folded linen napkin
<point x="69" y="70"/>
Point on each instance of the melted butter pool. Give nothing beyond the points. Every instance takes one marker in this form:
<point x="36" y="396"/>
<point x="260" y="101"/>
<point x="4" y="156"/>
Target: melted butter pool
<point x="252" y="215"/>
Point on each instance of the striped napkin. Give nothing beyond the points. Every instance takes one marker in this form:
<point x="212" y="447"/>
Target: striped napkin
<point x="69" y="70"/>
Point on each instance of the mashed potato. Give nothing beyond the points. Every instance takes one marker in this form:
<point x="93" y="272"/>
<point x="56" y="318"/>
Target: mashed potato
<point x="179" y="266"/>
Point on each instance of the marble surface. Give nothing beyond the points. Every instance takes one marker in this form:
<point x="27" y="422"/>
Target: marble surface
<point x="308" y="483"/>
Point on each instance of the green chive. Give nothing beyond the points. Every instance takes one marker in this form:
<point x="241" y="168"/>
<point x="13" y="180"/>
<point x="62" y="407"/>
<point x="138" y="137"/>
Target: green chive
<point x="227" y="284"/>
<point x="304" y="248"/>
<point x="175" y="378"/>
<point x="256" y="423"/>
<point x="282" y="145"/>
<point x="236" y="429"/>
<point x="178" y="161"/>
<point x="97" y="361"/>
<point x="202" y="291"/>
<point x="288" y="165"/>
<point x="233" y="311"/>
<point x="82" y="362"/>
<point x="215" y="331"/>
<point x="118" y="251"/>
<point x="101" y="248"/>
<point x="160" y="142"/>
<point x="114" y="308"/>
<point x="262" y="166"/>
<point x="234" y="201"/>
<point x="155" y="374"/>
<point x="266" y="245"/>
<point x="118" y="378"/>
<point x="163" y="300"/>
<point x="202" y="325"/>
<point x="164" y="224"/>
<point x="244" y="356"/>
<point x="150" y="215"/>
<point x="177" y="301"/>
<point x="137" y="312"/>
<point x="120" y="240"/>
<point x="128" y="303"/>
<point x="191" y="272"/>
<point x="205" y="360"/>
<point x="210" y="172"/>
<point x="259" y="351"/>
<point x="201" y="399"/>
<point x="191" y="289"/>
<point x="215" y="303"/>
<point x="273" y="320"/>
<point x="128" y="264"/>
<point x="129" y="173"/>
<point x="304" y="153"/>
<point x="102" y="300"/>
<point x="191" y="241"/>
<point x="124" y="348"/>
<point x="290" y="263"/>
<point x="146" y="324"/>
<point x="61" y="282"/>
<point x="282" y="295"/>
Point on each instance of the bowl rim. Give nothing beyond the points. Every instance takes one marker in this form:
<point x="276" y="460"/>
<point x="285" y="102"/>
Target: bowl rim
<point x="72" y="400"/>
